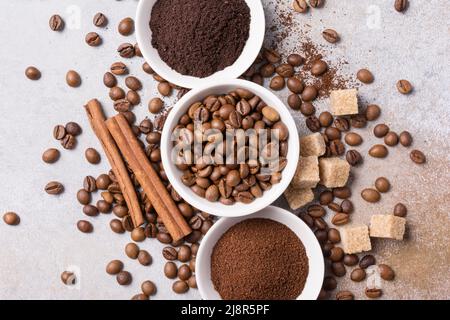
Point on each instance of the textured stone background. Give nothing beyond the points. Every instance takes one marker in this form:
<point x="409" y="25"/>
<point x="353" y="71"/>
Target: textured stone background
<point x="414" y="46"/>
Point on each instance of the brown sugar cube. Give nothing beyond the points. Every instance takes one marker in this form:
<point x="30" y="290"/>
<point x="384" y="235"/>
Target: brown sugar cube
<point x="307" y="174"/>
<point x="334" y="172"/>
<point x="387" y="226"/>
<point x="344" y="102"/>
<point x="355" y="239"/>
<point x="312" y="145"/>
<point x="298" y="198"/>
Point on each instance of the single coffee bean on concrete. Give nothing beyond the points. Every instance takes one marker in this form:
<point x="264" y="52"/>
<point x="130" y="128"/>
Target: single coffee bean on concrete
<point x="326" y="119"/>
<point x="85" y="226"/>
<point x="336" y="254"/>
<point x="133" y="83"/>
<point x="100" y="20"/>
<point x="90" y="210"/>
<point x="116" y="93"/>
<point x="103" y="206"/>
<point x="184" y="253"/>
<point x="68" y="278"/>
<point x="73" y="79"/>
<point x="11" y="218"/>
<point x="358" y="275"/>
<point x="32" y="73"/>
<point x="83" y="197"/>
<point x="370" y="195"/>
<point x="93" y="39"/>
<point x="138" y="234"/>
<point x="386" y="272"/>
<point x="119" y="68"/>
<point x="405" y="139"/>
<point x="133" y="97"/>
<point x="373" y="293"/>
<point x="294" y="101"/>
<point x="391" y="139"/>
<point x="372" y="112"/>
<point x="316" y="3"/>
<point x="126" y="50"/>
<point x="365" y="76"/>
<point x="184" y="272"/>
<point x="347" y="206"/>
<point x="295" y="85"/>
<point x="342" y="124"/>
<point x="89" y="184"/>
<point x="337" y="148"/>
<point x="51" y="155"/>
<point x="56" y="23"/>
<point x="92" y="156"/>
<point x="378" y="151"/>
<point x="340" y="219"/>
<point x="170" y="270"/>
<point x="418" y="157"/>
<point x="295" y="60"/>
<point x="353" y="157"/>
<point x="116" y="226"/>
<point x="147" y="69"/>
<point x="155" y="105"/>
<point x="380" y="130"/>
<point x="285" y="70"/>
<point x="164" y="89"/>
<point x="316" y="211"/>
<point x="54" y="188"/>
<point x="382" y="184"/>
<point x="353" y="139"/>
<point x="126" y="26"/>
<point x="132" y="250"/>
<point x="124" y="278"/>
<point x="137" y="50"/>
<point x="277" y="83"/>
<point x="358" y="121"/>
<point x="300" y="6"/>
<point x="345" y="295"/>
<point x="114" y="267"/>
<point x="404" y="87"/>
<point x="307" y="109"/>
<point x="319" y="67"/>
<point x="148" y="288"/>
<point x="401" y="5"/>
<point x="180" y="287"/>
<point x="367" y="261"/>
<point x="144" y="258"/>
<point x="333" y="235"/>
<point x="351" y="260"/>
<point x="109" y="80"/>
<point x="330" y="35"/>
<point x="73" y="128"/>
<point x="309" y="93"/>
<point x="400" y="210"/>
<point x="170" y="253"/>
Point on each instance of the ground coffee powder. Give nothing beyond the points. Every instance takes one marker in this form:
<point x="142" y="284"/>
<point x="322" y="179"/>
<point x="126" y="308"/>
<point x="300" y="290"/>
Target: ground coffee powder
<point x="259" y="259"/>
<point x="199" y="37"/>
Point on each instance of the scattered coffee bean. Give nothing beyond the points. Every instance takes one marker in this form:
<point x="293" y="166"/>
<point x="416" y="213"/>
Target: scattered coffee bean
<point x="338" y="269"/>
<point x="89" y="184"/>
<point x="340" y="219"/>
<point x="56" y="23"/>
<point x="378" y="151"/>
<point x="344" y="295"/>
<point x="109" y="80"/>
<point x="90" y="210"/>
<point x="400" y="210"/>
<point x="114" y="267"/>
<point x="313" y="123"/>
<point x="405" y="139"/>
<point x="170" y="253"/>
<point x="184" y="272"/>
<point x="347" y="206"/>
<point x="184" y="253"/>
<point x="382" y="184"/>
<point x="73" y="79"/>
<point x="144" y="258"/>
<point x="54" y="188"/>
<point x="326" y="197"/>
<point x="404" y="87"/>
<point x="373" y="293"/>
<point x="367" y="261"/>
<point x="294" y="101"/>
<point x="373" y="112"/>
<point x="93" y="39"/>
<point x="337" y="148"/>
<point x="164" y="89"/>
<point x="170" y="270"/>
<point x="133" y="83"/>
<point x="68" y="278"/>
<point x="267" y="70"/>
<point x="418" y="157"/>
<point x="365" y="76"/>
<point x="148" y="288"/>
<point x="326" y="119"/>
<point x="85" y="226"/>
<point x="126" y="26"/>
<point x="277" y="83"/>
<point x="386" y="272"/>
<point x="300" y="6"/>
<point x="11" y="218"/>
<point x="140" y="297"/>
<point x="138" y="234"/>
<point x="400" y="5"/>
<point x="330" y="35"/>
<point x="295" y="60"/>
<point x="342" y="124"/>
<point x="319" y="67"/>
<point x="126" y="50"/>
<point x="83" y="197"/>
<point x="342" y="192"/>
<point x="370" y="195"/>
<point x="380" y="130"/>
<point x="329" y="283"/>
<point x="137" y="50"/>
<point x="192" y="282"/>
<point x="358" y="121"/>
<point x="119" y="68"/>
<point x="295" y="85"/>
<point x="116" y="93"/>
<point x="323" y="295"/>
<point x="32" y="73"/>
<point x="69" y="142"/>
<point x="285" y="70"/>
<point x="133" y="97"/>
<point x="132" y="250"/>
<point x="180" y="287"/>
<point x="124" y="278"/>
<point x="391" y="139"/>
<point x="336" y="254"/>
<point x="316" y="211"/>
<point x="103" y="206"/>
<point x="100" y="20"/>
<point x="92" y="156"/>
<point x="309" y="93"/>
<point x="51" y="155"/>
<point x="353" y="157"/>
<point x="353" y="139"/>
<point x="351" y="260"/>
<point x="307" y="109"/>
<point x="155" y="105"/>
<point x="333" y="235"/>
<point x="358" y="275"/>
<point x="335" y="207"/>
<point x="116" y="226"/>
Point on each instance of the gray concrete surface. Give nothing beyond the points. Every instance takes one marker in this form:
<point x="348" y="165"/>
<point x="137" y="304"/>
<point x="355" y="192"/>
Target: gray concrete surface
<point x="414" y="46"/>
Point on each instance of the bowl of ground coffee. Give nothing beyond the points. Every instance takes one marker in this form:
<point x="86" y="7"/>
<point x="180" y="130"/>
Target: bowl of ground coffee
<point x="192" y="42"/>
<point x="270" y="255"/>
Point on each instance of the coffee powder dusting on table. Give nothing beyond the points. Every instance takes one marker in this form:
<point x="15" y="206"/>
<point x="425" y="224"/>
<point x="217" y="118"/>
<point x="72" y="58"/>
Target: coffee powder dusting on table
<point x="259" y="259"/>
<point x="199" y="37"/>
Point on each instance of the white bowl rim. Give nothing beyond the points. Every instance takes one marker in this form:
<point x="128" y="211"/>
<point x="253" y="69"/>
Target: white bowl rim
<point x="245" y="60"/>
<point x="237" y="209"/>
<point x="316" y="263"/>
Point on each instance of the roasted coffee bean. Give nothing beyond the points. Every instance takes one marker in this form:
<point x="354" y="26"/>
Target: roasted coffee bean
<point x="186" y="210"/>
<point x="180" y="287"/>
<point x="309" y="93"/>
<point x="119" y="68"/>
<point x="334" y="236"/>
<point x="140" y="297"/>
<point x="338" y="269"/>
<point x="92" y="156"/>
<point x="155" y="105"/>
<point x="326" y="197"/>
<point x="326" y="249"/>
<point x="378" y="151"/>
<point x="73" y="79"/>
<point x="332" y="133"/>
<point x="313" y="124"/>
<point x="148" y="288"/>
<point x="277" y="83"/>
<point x="73" y="128"/>
<point x="138" y="234"/>
<point x="103" y="206"/>
<point x="147" y="69"/>
<point x="68" y="278"/>
<point x="307" y="219"/>
<point x="164" y="89"/>
<point x="405" y="139"/>
<point x="271" y="55"/>
<point x="120" y="211"/>
<point x="373" y="293"/>
<point x="137" y="50"/>
<point x="329" y="283"/>
<point x="418" y="157"/>
<point x="85" y="226"/>
<point x="316" y="3"/>
<point x="404" y="87"/>
<point x="126" y="50"/>
<point x="353" y="139"/>
<point x="133" y="97"/>
<point x="11" y="218"/>
<point x="109" y="80"/>
<point x="336" y="254"/>
<point x="114" y="267"/>
<point x="295" y="85"/>
<point x="319" y="67"/>
<point x="100" y="20"/>
<point x="316" y="211"/>
<point x="116" y="93"/>
<point x="83" y="197"/>
<point x="320" y="224"/>
<point x="212" y="193"/>
<point x="170" y="270"/>
<point x="144" y="258"/>
<point x="382" y="184"/>
<point x="127" y="223"/>
<point x="126" y="26"/>
<point x="321" y="235"/>
<point x="285" y="70"/>
<point x="133" y="83"/>
<point x="342" y="192"/>
<point x="300" y="6"/>
<point x="335" y="207"/>
<point x="386" y="272"/>
<point x="326" y="119"/>
<point x="342" y="124"/>
<point x="337" y="148"/>
<point x="164" y="237"/>
<point x="323" y="295"/>
<point x="351" y="260"/>
<point x="358" y="275"/>
<point x="347" y="206"/>
<point x="90" y="210"/>
<point x="391" y="139"/>
<point x="192" y="282"/>
<point x="294" y="101"/>
<point x="367" y="261"/>
<point x="373" y="111"/>
<point x="370" y="195"/>
<point x="124" y="278"/>
<point x="89" y="184"/>
<point x="207" y="224"/>
<point x="146" y="126"/>
<point x="93" y="39"/>
<point x="365" y="76"/>
<point x="122" y="105"/>
<point x="184" y="272"/>
<point x="358" y="121"/>
<point x="353" y="157"/>
<point x="184" y="253"/>
<point x="51" y="155"/>
<point x="32" y="73"/>
<point x="330" y="35"/>
<point x="345" y="295"/>
<point x="400" y="210"/>
<point x="295" y="60"/>
<point x="132" y="250"/>
<point x="170" y="253"/>
<point x="380" y="130"/>
<point x="116" y="226"/>
<point x="54" y="188"/>
<point x="340" y="219"/>
<point x="267" y="70"/>
<point x="401" y="5"/>
<point x="56" y="23"/>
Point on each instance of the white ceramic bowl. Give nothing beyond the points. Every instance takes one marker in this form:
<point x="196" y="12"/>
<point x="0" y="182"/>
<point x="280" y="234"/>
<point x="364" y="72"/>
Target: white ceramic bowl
<point x="248" y="56"/>
<point x="217" y="208"/>
<point x="313" y="251"/>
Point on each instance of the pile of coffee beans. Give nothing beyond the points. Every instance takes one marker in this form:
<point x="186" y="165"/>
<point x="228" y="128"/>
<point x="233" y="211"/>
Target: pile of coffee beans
<point x="231" y="182"/>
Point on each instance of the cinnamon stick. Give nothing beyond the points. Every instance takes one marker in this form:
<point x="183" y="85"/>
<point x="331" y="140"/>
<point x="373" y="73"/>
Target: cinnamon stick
<point x="147" y="177"/>
<point x="97" y="120"/>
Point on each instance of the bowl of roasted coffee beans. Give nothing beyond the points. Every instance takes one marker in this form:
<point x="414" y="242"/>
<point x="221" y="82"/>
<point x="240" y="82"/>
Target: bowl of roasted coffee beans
<point x="190" y="43"/>
<point x="230" y="148"/>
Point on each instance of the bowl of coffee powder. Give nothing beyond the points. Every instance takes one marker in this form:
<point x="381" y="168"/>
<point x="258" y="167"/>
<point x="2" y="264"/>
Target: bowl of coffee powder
<point x="192" y="42"/>
<point x="269" y="255"/>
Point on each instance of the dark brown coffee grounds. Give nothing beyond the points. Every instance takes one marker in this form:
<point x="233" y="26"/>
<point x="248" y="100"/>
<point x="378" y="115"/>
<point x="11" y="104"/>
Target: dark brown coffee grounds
<point x="199" y="37"/>
<point x="259" y="259"/>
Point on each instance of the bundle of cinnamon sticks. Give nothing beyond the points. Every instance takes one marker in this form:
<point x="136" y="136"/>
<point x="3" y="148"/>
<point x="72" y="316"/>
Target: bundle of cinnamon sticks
<point x="120" y="145"/>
